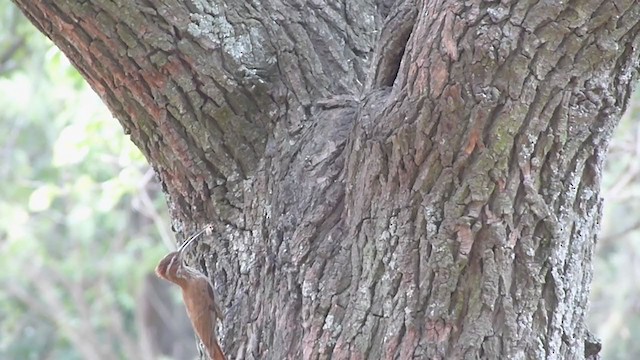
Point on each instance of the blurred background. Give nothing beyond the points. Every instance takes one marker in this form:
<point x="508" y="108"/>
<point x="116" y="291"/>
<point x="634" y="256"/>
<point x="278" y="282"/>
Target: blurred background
<point x="83" y="223"/>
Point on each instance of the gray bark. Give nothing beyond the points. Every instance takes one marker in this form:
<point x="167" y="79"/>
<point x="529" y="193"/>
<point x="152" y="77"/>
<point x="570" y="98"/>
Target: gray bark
<point x="387" y="179"/>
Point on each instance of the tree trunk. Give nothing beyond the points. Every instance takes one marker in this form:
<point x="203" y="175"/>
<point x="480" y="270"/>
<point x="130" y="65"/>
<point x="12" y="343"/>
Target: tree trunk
<point x="387" y="179"/>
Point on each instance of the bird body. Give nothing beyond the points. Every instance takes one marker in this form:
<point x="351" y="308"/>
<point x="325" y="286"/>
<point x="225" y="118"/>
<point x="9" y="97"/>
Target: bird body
<point x="203" y="317"/>
<point x="198" y="296"/>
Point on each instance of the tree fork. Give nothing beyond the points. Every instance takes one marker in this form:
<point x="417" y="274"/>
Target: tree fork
<point x="388" y="180"/>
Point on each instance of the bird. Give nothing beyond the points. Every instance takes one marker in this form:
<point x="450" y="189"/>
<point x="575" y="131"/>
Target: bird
<point x="197" y="294"/>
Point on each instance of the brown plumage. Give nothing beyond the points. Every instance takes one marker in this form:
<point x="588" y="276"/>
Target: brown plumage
<point x="198" y="296"/>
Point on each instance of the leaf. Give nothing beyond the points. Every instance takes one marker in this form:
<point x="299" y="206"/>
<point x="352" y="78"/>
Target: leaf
<point x="69" y="148"/>
<point x="42" y="197"/>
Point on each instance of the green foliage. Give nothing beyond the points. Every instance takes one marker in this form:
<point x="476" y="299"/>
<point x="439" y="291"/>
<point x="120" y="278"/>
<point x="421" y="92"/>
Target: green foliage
<point x="72" y="251"/>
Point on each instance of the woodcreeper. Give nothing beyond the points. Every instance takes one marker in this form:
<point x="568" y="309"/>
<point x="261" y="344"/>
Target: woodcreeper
<point x="198" y="296"/>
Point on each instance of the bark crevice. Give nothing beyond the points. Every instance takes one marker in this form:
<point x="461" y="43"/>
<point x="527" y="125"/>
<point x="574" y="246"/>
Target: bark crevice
<point x="387" y="179"/>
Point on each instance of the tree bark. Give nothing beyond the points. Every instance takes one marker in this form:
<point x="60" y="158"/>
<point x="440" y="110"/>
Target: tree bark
<point x="387" y="179"/>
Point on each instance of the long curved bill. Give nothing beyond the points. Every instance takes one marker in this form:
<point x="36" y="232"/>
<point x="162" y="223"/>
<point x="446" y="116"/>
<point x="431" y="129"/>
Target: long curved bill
<point x="193" y="237"/>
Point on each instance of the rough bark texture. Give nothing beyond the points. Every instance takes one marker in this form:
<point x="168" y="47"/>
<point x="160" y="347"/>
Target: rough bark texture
<point x="388" y="179"/>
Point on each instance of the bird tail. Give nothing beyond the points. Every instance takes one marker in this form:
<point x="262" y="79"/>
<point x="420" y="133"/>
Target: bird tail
<point x="216" y="353"/>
